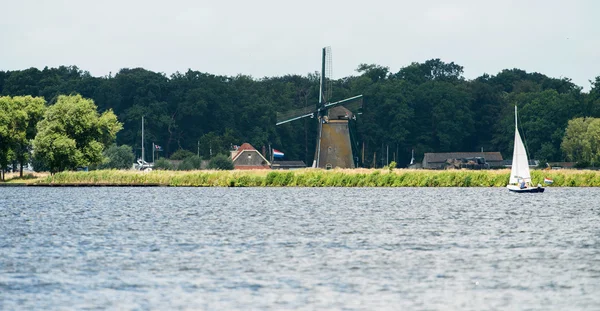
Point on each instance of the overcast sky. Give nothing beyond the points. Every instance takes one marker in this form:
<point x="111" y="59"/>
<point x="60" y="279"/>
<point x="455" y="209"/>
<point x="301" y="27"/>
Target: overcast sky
<point x="276" y="37"/>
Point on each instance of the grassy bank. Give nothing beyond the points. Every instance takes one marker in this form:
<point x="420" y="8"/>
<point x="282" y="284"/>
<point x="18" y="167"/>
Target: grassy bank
<point x="28" y="178"/>
<point x="319" y="178"/>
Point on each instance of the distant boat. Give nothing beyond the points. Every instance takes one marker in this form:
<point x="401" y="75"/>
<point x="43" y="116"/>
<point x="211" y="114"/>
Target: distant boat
<point x="520" y="178"/>
<point x="548" y="181"/>
<point x="143" y="165"/>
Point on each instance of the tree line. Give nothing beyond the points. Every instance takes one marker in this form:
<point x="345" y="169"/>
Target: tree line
<point x="67" y="135"/>
<point x="425" y="107"/>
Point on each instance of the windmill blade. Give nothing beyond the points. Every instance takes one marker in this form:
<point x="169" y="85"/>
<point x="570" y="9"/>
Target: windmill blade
<point x="294" y="114"/>
<point x="328" y="74"/>
<point x="353" y="103"/>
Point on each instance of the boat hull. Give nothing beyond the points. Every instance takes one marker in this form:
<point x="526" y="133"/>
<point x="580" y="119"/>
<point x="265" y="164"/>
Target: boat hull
<point x="518" y="189"/>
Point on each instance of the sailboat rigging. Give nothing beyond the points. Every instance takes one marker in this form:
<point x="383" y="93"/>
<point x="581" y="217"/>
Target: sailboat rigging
<point x="520" y="177"/>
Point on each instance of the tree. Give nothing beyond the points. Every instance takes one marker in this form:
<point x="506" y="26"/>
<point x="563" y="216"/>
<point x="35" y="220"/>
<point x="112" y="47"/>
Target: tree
<point x="374" y="72"/>
<point x="443" y="116"/>
<point x="543" y="117"/>
<point x="181" y="154"/>
<point x="73" y="134"/>
<point x="162" y="164"/>
<point x="433" y="69"/>
<point x="6" y="110"/>
<point x="220" y="162"/>
<point x="574" y="143"/>
<point x="34" y="108"/>
<point x="593" y="134"/>
<point x="18" y="118"/>
<point x="593" y="98"/>
<point x="581" y="142"/>
<point x="190" y="163"/>
<point x="118" y="157"/>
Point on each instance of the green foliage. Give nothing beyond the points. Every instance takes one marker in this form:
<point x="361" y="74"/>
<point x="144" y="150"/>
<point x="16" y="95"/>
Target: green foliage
<point x="322" y="178"/>
<point x="190" y="163"/>
<point x="27" y="177"/>
<point x="181" y="154"/>
<point x="117" y="157"/>
<point x="427" y="106"/>
<point x="73" y="134"/>
<point x="38" y="163"/>
<point x="18" y="118"/>
<point x="392" y="166"/>
<point x="162" y="164"/>
<point x="220" y="162"/>
<point x="581" y="142"/>
<point x="582" y="164"/>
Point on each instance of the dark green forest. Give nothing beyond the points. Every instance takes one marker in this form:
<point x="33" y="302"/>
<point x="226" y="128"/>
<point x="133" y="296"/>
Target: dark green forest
<point x="428" y="107"/>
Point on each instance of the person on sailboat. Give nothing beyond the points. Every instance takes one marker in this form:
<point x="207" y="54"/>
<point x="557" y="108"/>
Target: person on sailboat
<point x="522" y="184"/>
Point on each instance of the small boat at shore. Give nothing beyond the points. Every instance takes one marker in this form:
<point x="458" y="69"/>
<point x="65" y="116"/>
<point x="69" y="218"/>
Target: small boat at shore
<point x="520" y="177"/>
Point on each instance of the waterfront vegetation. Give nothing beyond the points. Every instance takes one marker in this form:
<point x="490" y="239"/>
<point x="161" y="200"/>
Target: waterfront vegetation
<point x="314" y="178"/>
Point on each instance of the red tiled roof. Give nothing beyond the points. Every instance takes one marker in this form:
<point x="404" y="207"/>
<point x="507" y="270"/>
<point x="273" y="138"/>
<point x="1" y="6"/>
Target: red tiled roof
<point x="244" y="146"/>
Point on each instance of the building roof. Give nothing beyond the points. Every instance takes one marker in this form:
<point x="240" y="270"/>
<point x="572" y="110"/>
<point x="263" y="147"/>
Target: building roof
<point x="562" y="164"/>
<point x="246" y="147"/>
<point x="340" y="112"/>
<point x="289" y="163"/>
<point x="442" y="157"/>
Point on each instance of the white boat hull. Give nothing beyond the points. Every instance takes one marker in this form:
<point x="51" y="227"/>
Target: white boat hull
<point x="515" y="188"/>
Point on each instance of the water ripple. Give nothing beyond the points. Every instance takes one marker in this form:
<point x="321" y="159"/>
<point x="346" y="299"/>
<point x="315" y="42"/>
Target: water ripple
<point x="299" y="248"/>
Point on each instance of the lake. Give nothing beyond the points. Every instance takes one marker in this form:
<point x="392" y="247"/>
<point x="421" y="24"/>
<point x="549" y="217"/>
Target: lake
<point x="299" y="248"/>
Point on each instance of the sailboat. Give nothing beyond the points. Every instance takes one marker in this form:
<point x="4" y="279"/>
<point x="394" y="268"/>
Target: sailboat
<point x="142" y="165"/>
<point x="520" y="178"/>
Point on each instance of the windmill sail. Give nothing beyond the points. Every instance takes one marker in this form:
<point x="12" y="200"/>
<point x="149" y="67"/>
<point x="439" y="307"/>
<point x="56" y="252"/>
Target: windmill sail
<point x="352" y="103"/>
<point x="295" y="114"/>
<point x="520" y="164"/>
<point x="328" y="75"/>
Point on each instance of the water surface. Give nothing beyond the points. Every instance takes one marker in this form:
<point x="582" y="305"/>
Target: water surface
<point x="299" y="248"/>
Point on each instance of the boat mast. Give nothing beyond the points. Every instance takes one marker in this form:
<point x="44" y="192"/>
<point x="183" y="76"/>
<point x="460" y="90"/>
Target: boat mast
<point x="516" y="129"/>
<point x="142" y="139"/>
<point x="515" y="163"/>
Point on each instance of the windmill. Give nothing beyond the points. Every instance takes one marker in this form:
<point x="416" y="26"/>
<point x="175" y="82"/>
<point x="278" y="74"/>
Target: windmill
<point x="334" y="147"/>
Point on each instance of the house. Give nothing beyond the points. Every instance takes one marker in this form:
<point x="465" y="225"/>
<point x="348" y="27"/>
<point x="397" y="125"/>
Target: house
<point x="531" y="162"/>
<point x="439" y="160"/>
<point x="287" y="165"/>
<point x="559" y="165"/>
<point x="246" y="157"/>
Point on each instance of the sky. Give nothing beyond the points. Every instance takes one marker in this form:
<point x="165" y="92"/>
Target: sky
<point x="265" y="38"/>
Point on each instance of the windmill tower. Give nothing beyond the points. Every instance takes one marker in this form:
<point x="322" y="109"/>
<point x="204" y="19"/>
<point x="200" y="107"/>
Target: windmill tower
<point x="334" y="147"/>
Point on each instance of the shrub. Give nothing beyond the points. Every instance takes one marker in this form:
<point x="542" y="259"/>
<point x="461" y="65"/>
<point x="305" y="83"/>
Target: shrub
<point x="117" y="158"/>
<point x="190" y="163"/>
<point x="220" y="162"/>
<point x="392" y="165"/>
<point x="162" y="164"/>
<point x="181" y="154"/>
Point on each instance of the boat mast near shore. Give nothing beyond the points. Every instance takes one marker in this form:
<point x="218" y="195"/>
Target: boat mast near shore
<point x="142" y="165"/>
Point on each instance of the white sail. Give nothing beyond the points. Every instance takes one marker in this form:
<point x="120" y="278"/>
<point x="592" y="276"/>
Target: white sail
<point x="520" y="164"/>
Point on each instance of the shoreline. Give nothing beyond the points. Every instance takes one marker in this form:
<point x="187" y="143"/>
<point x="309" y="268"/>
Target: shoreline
<point x="303" y="178"/>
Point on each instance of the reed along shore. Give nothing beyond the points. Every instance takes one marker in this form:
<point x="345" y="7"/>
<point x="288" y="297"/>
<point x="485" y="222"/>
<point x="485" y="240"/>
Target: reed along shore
<point x="316" y="178"/>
